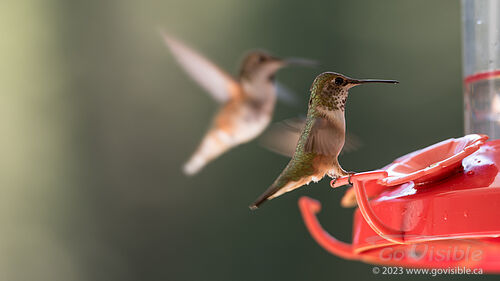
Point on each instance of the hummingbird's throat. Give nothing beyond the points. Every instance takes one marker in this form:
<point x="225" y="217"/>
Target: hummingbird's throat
<point x="333" y="98"/>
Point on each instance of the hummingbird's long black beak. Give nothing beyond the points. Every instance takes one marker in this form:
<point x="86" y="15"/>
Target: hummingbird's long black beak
<point x="300" y="61"/>
<point x="363" y="81"/>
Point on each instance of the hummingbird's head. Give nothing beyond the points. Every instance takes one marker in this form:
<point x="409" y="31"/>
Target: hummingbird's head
<point x="330" y="89"/>
<point x="260" y="64"/>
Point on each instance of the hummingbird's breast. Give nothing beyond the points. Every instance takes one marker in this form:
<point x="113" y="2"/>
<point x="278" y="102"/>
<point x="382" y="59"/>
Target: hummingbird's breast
<point x="243" y="119"/>
<point x="253" y="118"/>
<point x="330" y="133"/>
<point x="260" y="94"/>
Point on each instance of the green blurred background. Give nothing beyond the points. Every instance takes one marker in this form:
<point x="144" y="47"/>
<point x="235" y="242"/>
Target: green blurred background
<point x="97" y="119"/>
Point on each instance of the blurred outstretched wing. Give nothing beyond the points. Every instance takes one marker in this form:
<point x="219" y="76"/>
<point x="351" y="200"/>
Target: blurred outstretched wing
<point x="282" y="137"/>
<point x="217" y="82"/>
<point x="285" y="95"/>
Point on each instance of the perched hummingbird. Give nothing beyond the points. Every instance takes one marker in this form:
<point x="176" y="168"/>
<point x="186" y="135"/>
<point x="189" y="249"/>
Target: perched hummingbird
<point x="321" y="139"/>
<point x="247" y="102"/>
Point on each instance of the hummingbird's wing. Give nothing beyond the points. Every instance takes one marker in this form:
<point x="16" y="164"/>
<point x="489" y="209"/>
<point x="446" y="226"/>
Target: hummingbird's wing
<point x="282" y="137"/>
<point x="217" y="82"/>
<point x="324" y="138"/>
<point x="284" y="94"/>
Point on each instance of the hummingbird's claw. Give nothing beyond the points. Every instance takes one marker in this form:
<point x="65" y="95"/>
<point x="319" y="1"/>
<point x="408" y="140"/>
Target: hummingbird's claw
<point x="349" y="178"/>
<point x="334" y="181"/>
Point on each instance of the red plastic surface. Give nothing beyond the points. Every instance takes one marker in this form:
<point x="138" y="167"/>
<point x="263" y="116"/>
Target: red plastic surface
<point x="431" y="163"/>
<point x="423" y="223"/>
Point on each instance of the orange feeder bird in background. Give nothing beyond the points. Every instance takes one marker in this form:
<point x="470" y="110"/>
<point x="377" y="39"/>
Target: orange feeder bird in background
<point x="438" y="207"/>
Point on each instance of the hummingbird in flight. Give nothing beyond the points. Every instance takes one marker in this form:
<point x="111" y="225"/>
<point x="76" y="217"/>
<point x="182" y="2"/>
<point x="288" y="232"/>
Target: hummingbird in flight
<point x="247" y="102"/>
<point x="322" y="138"/>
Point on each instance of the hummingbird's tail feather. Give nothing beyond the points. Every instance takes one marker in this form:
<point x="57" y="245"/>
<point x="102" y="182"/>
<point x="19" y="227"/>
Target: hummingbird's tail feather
<point x="194" y="165"/>
<point x="215" y="143"/>
<point x="263" y="198"/>
<point x="279" y="187"/>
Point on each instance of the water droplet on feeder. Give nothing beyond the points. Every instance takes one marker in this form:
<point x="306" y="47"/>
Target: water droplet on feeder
<point x="479" y="22"/>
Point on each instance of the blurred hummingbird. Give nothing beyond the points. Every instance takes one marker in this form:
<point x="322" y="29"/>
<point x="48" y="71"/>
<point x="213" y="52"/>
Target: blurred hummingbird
<point x="247" y="102"/>
<point x="322" y="138"/>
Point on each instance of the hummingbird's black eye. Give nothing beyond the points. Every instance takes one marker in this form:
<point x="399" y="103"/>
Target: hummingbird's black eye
<point x="339" y="81"/>
<point x="262" y="58"/>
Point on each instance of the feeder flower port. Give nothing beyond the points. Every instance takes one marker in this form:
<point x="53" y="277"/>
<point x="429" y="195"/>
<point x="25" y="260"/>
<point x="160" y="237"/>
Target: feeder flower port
<point x="437" y="207"/>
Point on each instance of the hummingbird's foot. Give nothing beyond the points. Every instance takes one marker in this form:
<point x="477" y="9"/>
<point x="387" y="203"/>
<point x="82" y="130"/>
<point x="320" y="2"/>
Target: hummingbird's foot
<point x="349" y="178"/>
<point x="334" y="180"/>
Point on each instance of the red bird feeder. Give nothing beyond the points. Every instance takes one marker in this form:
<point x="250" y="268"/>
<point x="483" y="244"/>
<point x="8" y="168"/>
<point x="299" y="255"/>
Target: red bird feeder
<point x="437" y="207"/>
